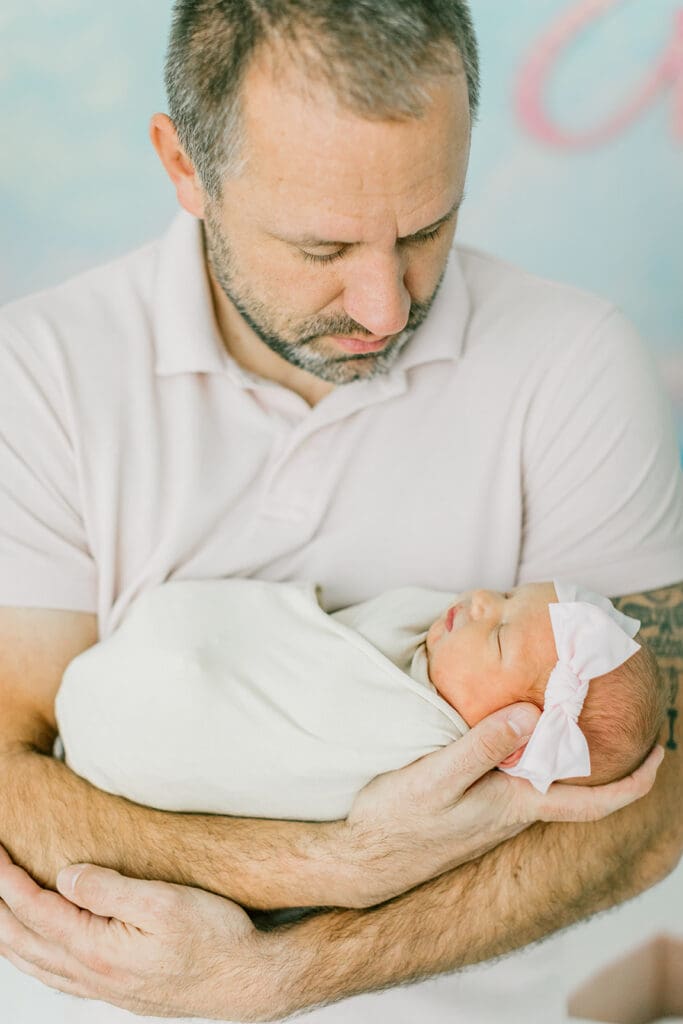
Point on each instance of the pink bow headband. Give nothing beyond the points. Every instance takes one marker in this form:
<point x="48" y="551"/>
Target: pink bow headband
<point x="591" y="638"/>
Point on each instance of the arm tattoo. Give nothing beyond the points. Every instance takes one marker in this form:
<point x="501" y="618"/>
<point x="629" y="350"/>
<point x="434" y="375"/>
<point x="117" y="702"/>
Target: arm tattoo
<point x="672" y="710"/>
<point x="661" y="615"/>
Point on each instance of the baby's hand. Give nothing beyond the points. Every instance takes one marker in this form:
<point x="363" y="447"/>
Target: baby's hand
<point x="449" y="807"/>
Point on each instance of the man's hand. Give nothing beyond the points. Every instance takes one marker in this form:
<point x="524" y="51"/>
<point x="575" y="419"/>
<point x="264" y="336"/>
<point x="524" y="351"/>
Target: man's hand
<point x="153" y="948"/>
<point x="448" y="808"/>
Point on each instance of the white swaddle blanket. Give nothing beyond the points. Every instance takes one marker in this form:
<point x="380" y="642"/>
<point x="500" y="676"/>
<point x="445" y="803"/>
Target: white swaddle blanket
<point x="244" y="697"/>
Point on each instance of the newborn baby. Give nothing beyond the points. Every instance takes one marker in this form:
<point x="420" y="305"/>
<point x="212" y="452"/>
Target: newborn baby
<point x="244" y="697"/>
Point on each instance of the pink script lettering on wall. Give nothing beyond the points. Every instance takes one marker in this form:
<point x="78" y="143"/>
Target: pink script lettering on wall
<point x="667" y="73"/>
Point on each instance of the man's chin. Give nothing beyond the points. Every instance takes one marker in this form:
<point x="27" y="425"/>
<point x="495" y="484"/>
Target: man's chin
<point x="346" y="371"/>
<point x="324" y="359"/>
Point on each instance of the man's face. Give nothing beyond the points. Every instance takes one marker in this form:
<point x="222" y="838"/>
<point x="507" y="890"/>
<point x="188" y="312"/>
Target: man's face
<point x="332" y="243"/>
<point x="491" y="649"/>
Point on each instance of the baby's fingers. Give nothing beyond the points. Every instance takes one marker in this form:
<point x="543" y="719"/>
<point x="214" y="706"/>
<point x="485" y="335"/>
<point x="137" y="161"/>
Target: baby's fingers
<point x="590" y="803"/>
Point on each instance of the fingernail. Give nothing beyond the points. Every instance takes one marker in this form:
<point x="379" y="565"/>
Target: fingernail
<point x="67" y="878"/>
<point x="522" y="721"/>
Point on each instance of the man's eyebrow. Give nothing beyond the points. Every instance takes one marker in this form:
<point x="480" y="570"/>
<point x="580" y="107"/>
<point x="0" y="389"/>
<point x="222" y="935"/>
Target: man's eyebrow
<point x="312" y="242"/>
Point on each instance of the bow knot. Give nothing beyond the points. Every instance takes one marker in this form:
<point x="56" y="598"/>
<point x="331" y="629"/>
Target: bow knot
<point x="565" y="690"/>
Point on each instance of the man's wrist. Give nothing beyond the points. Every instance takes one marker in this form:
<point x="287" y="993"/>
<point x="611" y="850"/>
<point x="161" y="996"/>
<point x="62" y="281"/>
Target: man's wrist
<point x="297" y="961"/>
<point x="269" y="865"/>
<point x="275" y="972"/>
<point x="329" y="871"/>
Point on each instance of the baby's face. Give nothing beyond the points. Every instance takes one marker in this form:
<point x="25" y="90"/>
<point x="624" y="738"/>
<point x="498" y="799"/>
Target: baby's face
<point x="491" y="649"/>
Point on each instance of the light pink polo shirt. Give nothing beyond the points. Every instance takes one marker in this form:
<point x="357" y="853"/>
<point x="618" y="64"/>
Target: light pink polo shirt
<point x="521" y="435"/>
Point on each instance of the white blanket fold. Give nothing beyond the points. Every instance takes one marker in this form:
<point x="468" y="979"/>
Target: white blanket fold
<point x="244" y="697"/>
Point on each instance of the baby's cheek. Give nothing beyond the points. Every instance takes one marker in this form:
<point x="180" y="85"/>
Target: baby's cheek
<point x="478" y="698"/>
<point x="446" y="690"/>
<point x="433" y="635"/>
<point x="441" y="677"/>
<point x="460" y="698"/>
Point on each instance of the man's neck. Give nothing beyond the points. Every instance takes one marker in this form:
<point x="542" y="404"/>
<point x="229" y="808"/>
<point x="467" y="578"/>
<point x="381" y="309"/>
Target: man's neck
<point x="253" y="355"/>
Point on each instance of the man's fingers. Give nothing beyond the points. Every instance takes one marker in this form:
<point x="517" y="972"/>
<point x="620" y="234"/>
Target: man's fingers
<point x="487" y="744"/>
<point x="56" y="981"/>
<point x="16" y="938"/>
<point x="590" y="803"/>
<point x="107" y="893"/>
<point x="40" y="910"/>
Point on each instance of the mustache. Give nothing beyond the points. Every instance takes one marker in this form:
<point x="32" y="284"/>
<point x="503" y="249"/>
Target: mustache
<point x="346" y="328"/>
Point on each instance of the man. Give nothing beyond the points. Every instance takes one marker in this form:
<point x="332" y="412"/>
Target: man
<point x="299" y="382"/>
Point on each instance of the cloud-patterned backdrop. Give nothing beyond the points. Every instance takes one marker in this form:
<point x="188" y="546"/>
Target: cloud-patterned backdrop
<point x="577" y="164"/>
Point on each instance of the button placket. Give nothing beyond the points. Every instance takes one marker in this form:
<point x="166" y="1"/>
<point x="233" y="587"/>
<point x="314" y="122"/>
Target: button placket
<point x="297" y="481"/>
<point x="300" y="477"/>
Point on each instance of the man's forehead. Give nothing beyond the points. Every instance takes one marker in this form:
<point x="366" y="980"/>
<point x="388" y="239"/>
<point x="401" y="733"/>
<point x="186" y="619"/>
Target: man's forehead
<point x="295" y="141"/>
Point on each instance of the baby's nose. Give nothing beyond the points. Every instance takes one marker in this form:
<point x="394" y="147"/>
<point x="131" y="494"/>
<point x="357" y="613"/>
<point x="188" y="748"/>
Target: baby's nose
<point x="483" y="604"/>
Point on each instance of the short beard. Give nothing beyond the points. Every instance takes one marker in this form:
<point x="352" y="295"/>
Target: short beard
<point x="304" y="350"/>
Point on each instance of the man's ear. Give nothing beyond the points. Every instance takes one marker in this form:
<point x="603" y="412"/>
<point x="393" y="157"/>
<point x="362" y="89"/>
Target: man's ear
<point x="177" y="164"/>
<point x="513" y="759"/>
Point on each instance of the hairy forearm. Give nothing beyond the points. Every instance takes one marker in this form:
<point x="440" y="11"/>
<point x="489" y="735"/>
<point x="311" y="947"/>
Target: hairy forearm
<point x="541" y="881"/>
<point x="537" y="883"/>
<point x="49" y="817"/>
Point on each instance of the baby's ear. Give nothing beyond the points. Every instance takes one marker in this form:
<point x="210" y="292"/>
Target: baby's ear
<point x="512" y="759"/>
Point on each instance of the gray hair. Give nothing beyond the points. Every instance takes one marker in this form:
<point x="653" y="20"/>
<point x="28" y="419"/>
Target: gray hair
<point x="377" y="55"/>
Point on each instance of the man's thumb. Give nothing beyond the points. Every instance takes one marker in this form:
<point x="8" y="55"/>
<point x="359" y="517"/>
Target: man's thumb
<point x="498" y="736"/>
<point x="459" y="764"/>
<point x="106" y="893"/>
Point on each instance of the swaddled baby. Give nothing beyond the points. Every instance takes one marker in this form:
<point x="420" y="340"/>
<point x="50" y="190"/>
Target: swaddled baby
<point x="244" y="697"/>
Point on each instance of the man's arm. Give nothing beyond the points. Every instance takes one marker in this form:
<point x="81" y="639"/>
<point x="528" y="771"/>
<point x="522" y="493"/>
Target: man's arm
<point x="50" y="817"/>
<point x="119" y="946"/>
<point x="661" y="615"/>
<point x="405" y="826"/>
<point x="539" y="882"/>
<point x="119" y="939"/>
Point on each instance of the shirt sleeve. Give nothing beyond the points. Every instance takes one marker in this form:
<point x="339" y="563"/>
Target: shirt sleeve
<point x="603" y="491"/>
<point x="44" y="556"/>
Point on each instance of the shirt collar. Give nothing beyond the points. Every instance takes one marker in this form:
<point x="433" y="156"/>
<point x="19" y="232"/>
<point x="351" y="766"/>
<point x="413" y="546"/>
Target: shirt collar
<point x="187" y="338"/>
<point x="442" y="335"/>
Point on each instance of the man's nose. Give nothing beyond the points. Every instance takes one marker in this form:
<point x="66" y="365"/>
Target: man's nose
<point x="377" y="297"/>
